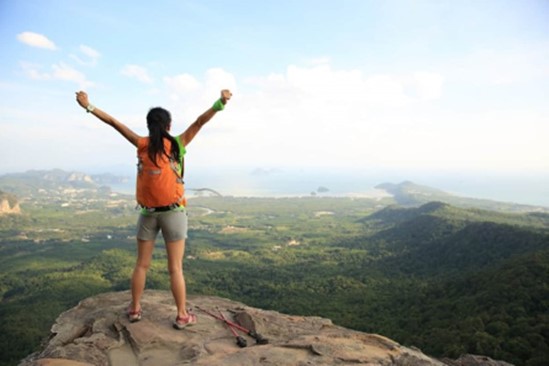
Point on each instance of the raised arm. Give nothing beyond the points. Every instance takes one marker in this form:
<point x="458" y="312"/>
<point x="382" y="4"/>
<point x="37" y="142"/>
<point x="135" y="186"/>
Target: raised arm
<point x="189" y="134"/>
<point x="82" y="99"/>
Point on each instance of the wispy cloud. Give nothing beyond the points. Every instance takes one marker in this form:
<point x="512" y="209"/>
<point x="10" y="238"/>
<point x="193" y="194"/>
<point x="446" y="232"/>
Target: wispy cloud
<point x="60" y="71"/>
<point x="90" y="52"/>
<point x="137" y="72"/>
<point x="91" y="56"/>
<point x="36" y="40"/>
<point x="65" y="72"/>
<point x="34" y="71"/>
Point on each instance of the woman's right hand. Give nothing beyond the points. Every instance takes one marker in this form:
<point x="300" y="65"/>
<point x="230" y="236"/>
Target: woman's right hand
<point x="82" y="99"/>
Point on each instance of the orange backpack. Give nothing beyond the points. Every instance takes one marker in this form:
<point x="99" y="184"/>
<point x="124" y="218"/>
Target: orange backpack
<point x="159" y="186"/>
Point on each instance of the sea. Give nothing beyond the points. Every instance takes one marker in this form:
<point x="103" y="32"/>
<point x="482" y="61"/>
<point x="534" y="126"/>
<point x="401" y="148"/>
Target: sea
<point x="530" y="189"/>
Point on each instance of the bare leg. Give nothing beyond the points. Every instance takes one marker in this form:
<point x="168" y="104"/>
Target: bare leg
<point x="144" y="256"/>
<point x="175" y="250"/>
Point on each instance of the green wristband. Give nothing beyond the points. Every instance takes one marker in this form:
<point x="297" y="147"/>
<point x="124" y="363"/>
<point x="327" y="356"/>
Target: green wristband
<point x="218" y="105"/>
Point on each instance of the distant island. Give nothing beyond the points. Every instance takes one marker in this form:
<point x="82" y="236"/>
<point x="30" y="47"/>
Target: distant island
<point x="410" y="194"/>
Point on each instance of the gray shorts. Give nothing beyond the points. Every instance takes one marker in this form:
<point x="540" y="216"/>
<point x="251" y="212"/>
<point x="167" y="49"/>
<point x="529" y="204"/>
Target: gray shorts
<point x="173" y="225"/>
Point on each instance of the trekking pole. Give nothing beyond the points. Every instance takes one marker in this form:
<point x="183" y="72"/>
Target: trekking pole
<point x="252" y="333"/>
<point x="240" y="341"/>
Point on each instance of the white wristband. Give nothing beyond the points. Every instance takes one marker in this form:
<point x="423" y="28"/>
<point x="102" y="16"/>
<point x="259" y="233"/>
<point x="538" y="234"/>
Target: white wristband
<point x="90" y="108"/>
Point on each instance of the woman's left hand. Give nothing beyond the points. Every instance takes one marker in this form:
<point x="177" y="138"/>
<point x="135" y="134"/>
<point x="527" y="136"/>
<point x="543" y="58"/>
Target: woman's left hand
<point x="225" y="96"/>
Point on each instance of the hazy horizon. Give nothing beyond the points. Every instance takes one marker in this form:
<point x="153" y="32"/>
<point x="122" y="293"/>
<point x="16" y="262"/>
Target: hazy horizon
<point x="533" y="189"/>
<point x="530" y="189"/>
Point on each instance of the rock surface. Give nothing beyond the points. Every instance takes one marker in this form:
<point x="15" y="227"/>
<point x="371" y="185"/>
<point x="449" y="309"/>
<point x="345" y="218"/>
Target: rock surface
<point x="9" y="204"/>
<point x="96" y="332"/>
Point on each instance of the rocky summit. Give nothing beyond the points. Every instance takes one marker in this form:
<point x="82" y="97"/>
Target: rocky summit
<point x="96" y="332"/>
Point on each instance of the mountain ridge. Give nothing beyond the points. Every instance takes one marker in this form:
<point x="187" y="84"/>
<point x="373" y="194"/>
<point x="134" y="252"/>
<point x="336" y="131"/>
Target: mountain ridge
<point x="31" y="182"/>
<point x="447" y="233"/>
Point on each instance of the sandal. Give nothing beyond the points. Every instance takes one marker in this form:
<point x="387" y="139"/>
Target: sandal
<point x="133" y="316"/>
<point x="185" y="321"/>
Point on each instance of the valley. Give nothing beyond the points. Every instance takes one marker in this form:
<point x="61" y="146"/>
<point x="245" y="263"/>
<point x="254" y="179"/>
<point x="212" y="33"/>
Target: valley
<point x="444" y="278"/>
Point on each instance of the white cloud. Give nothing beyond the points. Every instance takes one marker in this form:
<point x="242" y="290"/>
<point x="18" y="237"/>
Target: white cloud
<point x="91" y="56"/>
<point x="60" y="71"/>
<point x="314" y="116"/>
<point x="187" y="88"/>
<point x="323" y="87"/>
<point x="138" y="72"/>
<point x="189" y="96"/>
<point x="319" y="116"/>
<point x="36" y="40"/>
<point x="428" y="85"/>
<point x="180" y="85"/>
<point x="65" y="72"/>
<point x="90" y="52"/>
<point x="217" y="79"/>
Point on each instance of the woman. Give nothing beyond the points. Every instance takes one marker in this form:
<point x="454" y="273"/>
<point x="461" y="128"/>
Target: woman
<point x="161" y="210"/>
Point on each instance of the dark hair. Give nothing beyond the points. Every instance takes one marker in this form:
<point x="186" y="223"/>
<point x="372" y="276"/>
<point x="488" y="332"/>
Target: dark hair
<point x="158" y="123"/>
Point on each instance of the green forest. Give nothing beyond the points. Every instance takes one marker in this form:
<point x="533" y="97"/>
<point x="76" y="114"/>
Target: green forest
<point x="445" y="279"/>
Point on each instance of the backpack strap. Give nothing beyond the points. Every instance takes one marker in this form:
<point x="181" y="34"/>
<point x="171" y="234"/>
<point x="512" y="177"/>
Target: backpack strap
<point x="182" y="152"/>
<point x="176" y="170"/>
<point x="179" y="167"/>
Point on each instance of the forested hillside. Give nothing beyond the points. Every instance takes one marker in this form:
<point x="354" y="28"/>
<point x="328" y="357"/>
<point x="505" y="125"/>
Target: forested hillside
<point x="445" y="279"/>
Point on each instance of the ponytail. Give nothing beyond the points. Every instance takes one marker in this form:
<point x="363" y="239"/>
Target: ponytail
<point x="158" y="123"/>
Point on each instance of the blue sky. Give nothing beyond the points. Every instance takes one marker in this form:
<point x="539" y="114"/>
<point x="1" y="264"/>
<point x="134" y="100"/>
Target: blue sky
<point x="357" y="85"/>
